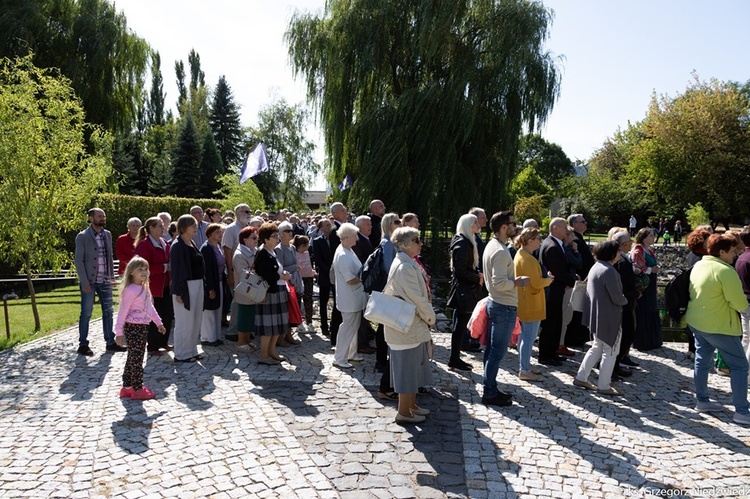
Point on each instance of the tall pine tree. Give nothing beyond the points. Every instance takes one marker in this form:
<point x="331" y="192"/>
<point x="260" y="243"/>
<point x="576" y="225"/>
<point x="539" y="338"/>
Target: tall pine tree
<point x="210" y="166"/>
<point x="186" y="162"/>
<point x="225" y="124"/>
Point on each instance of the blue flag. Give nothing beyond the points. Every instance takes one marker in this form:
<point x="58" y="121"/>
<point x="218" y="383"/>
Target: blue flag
<point x="255" y="163"/>
<point x="346" y="183"/>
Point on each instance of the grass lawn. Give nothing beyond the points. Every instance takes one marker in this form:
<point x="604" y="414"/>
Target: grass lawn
<point x="58" y="309"/>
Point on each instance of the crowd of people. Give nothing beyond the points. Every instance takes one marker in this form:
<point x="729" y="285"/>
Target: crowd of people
<point x="179" y="278"/>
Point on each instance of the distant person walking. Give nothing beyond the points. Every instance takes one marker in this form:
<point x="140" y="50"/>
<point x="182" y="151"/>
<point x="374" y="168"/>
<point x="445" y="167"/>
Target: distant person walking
<point x="95" y="268"/>
<point x="633" y="225"/>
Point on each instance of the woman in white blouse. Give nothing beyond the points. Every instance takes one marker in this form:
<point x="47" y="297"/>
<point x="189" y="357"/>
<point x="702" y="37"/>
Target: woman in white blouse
<point x="350" y="296"/>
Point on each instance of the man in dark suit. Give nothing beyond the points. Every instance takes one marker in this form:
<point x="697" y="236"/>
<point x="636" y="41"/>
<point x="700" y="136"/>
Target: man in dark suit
<point x="377" y="210"/>
<point x="552" y="257"/>
<point x="363" y="249"/>
<point x="96" y="272"/>
<point x="577" y="333"/>
<point x="339" y="214"/>
<point x="322" y="257"/>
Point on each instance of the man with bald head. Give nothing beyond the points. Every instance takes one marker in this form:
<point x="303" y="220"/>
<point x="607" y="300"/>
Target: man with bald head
<point x="339" y="214"/>
<point x="377" y="210"/>
<point x="229" y="242"/>
<point x="552" y="257"/>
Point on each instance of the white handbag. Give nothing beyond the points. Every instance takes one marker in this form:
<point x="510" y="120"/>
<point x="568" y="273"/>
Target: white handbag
<point x="390" y="311"/>
<point x="252" y="286"/>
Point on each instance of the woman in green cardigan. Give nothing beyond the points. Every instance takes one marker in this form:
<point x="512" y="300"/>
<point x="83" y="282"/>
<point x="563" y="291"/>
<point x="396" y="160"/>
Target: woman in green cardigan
<point x="716" y="298"/>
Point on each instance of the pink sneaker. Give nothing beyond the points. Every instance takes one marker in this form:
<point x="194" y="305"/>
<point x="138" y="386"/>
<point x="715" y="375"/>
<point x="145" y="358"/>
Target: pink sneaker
<point x="143" y="394"/>
<point x="126" y="392"/>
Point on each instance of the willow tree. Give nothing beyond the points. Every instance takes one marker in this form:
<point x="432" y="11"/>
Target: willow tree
<point x="91" y="44"/>
<point x="425" y="96"/>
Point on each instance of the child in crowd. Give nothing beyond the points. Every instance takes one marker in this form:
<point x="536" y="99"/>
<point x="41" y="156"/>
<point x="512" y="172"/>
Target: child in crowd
<point x="136" y="313"/>
<point x="306" y="271"/>
<point x="667" y="238"/>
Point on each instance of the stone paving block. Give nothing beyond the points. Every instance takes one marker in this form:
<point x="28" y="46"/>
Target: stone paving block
<point x="228" y="427"/>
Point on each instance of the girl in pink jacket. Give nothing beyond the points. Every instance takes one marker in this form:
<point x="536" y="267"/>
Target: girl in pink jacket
<point x="136" y="313"/>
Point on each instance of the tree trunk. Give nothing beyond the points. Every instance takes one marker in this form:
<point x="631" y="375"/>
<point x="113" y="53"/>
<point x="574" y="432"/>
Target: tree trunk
<point x="32" y="294"/>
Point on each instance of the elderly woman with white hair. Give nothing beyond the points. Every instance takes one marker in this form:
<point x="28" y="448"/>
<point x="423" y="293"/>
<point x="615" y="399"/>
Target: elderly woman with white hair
<point x="350" y="296"/>
<point x="410" y="362"/>
<point x="466" y="284"/>
<point x="125" y="244"/>
<point x="388" y="224"/>
<point x="287" y="255"/>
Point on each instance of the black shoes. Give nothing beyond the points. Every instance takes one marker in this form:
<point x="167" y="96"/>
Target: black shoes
<point x="212" y="343"/>
<point x="459" y="365"/>
<point x="85" y="351"/>
<point x="230" y="337"/>
<point x="501" y="400"/>
<point x="550" y="361"/>
<point x="620" y="373"/>
<point x="627" y="361"/>
<point x="114" y="347"/>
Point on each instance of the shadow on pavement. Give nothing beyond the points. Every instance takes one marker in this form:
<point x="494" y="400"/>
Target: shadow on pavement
<point x="132" y="432"/>
<point x="86" y="376"/>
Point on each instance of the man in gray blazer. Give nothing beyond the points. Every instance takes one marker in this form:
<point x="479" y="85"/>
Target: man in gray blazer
<point x="93" y="259"/>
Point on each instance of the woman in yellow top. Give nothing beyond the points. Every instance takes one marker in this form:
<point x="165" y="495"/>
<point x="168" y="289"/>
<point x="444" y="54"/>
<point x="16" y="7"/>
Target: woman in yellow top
<point x="716" y="297"/>
<point x="531" y="299"/>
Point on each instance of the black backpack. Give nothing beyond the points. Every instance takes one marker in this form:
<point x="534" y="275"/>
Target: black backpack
<point x="373" y="274"/>
<point x="677" y="295"/>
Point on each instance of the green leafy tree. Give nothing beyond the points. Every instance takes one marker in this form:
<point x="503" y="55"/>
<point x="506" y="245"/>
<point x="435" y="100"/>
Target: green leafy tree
<point x="291" y="164"/>
<point x="696" y="148"/>
<point x="235" y="193"/>
<point x="89" y="41"/>
<point x="48" y="172"/>
<point x="186" y="162"/>
<point x="608" y="191"/>
<point x="529" y="183"/>
<point x="547" y="159"/>
<point x="536" y="207"/>
<point x="697" y="215"/>
<point x="225" y="123"/>
<point x="430" y="95"/>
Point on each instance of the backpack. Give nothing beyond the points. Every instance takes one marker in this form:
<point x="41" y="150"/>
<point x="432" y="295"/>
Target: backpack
<point x="372" y="274"/>
<point x="677" y="295"/>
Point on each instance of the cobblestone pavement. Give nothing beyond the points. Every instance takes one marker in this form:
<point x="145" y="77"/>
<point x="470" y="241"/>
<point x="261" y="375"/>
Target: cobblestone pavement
<point x="227" y="427"/>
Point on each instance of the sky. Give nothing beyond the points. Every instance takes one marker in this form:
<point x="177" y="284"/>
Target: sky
<point x="613" y="56"/>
